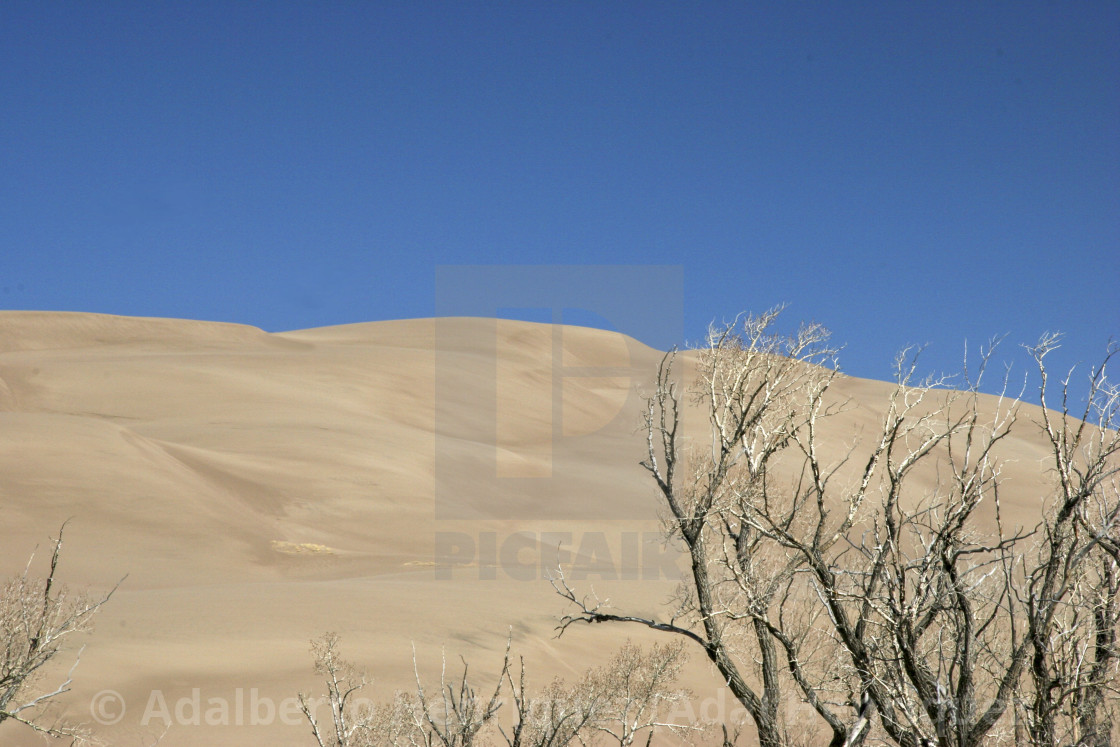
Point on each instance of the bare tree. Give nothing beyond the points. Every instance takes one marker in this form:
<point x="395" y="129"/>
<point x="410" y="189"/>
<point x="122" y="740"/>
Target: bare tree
<point x="1073" y="587"/>
<point x="880" y="584"/>
<point x="354" y="722"/>
<point x="639" y="689"/>
<point x="758" y="389"/>
<point x="453" y="718"/>
<point x="459" y="714"/>
<point x="559" y="715"/>
<point x="37" y="616"/>
<point x="624" y="699"/>
<point x="919" y="602"/>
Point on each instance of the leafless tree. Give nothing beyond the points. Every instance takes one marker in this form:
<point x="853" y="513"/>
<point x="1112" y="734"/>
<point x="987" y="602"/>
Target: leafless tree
<point x="880" y="584"/>
<point x="1072" y="594"/>
<point x="919" y="602"/>
<point x="758" y="390"/>
<point x="559" y="715"/>
<point x="459" y="714"/>
<point x="354" y="721"/>
<point x="622" y="700"/>
<point x="37" y="616"/>
<point x="639" y="688"/>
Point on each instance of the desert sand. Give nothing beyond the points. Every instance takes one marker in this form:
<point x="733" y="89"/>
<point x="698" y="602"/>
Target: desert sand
<point x="404" y="483"/>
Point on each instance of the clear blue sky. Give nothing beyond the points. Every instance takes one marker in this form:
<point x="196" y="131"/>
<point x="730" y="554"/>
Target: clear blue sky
<point x="903" y="172"/>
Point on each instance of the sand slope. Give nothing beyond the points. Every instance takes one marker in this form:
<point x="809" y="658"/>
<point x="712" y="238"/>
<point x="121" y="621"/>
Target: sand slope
<point x="259" y="489"/>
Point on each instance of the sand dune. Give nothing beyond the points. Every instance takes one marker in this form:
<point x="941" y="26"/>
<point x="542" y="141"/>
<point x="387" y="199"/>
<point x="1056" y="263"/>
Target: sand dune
<point x="259" y="489"/>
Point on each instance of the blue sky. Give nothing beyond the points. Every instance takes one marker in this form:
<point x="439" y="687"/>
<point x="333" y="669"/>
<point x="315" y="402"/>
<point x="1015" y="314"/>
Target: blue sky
<point x="902" y="172"/>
